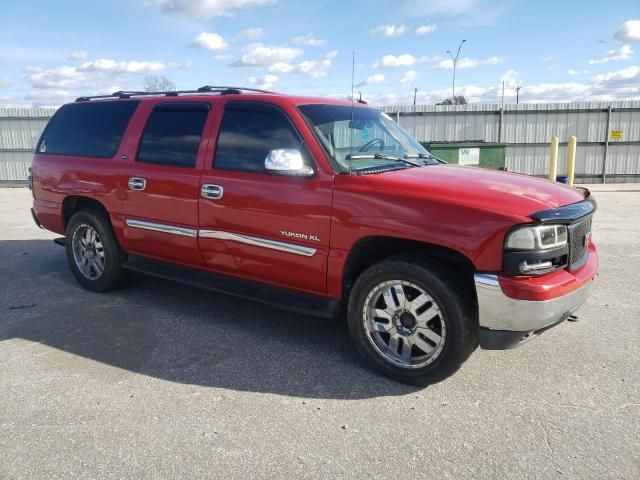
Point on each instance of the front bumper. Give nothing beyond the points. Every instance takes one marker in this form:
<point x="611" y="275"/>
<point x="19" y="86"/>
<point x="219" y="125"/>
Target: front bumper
<point x="507" y="322"/>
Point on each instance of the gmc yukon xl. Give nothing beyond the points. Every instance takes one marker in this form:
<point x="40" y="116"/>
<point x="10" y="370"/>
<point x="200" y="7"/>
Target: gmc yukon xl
<point x="319" y="206"/>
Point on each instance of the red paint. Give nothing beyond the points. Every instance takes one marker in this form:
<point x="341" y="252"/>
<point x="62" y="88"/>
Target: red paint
<point x="465" y="209"/>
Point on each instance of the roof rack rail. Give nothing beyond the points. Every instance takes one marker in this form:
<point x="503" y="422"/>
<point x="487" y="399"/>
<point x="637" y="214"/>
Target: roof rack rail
<point x="220" y="90"/>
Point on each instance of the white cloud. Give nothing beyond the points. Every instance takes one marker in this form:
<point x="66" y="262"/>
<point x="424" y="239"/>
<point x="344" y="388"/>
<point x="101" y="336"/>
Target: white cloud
<point x="210" y="41"/>
<point x="510" y="79"/>
<point x="616" y="85"/>
<point x="409" y="77"/>
<point x="424" y="29"/>
<point x="438" y="7"/>
<point x="309" y="40"/>
<point x="311" y="68"/>
<point x="223" y="57"/>
<point x="622" y="53"/>
<point x="204" y="8"/>
<point x="390" y="30"/>
<point x="629" y="32"/>
<point x="373" y="79"/>
<point x="4" y="82"/>
<point x="466" y="62"/>
<point x="251" y="33"/>
<point x="626" y="75"/>
<point x="92" y="75"/>
<point x="265" y="82"/>
<point x="259" y="55"/>
<point x="394" y="61"/>
<point x="132" y="66"/>
<point x="78" y="55"/>
<point x="571" y="71"/>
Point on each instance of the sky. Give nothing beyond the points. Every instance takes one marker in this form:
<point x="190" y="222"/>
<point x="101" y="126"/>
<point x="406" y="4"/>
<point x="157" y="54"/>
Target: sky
<point x="555" y="51"/>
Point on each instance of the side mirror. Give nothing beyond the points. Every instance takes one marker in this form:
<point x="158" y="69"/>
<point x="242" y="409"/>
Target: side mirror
<point x="287" y="161"/>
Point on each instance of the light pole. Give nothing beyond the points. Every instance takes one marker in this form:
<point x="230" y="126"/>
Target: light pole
<point x="455" y="63"/>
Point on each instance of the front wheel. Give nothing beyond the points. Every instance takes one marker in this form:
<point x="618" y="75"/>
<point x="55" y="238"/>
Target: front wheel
<point x="412" y="320"/>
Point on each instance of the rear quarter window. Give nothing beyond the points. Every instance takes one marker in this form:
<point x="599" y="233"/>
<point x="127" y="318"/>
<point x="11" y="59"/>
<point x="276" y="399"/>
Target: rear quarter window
<point x="87" y="129"/>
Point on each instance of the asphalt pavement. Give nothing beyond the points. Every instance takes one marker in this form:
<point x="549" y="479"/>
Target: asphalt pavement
<point x="161" y="380"/>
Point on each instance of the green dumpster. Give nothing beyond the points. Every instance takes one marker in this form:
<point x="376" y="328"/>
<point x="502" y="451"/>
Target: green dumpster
<point x="480" y="154"/>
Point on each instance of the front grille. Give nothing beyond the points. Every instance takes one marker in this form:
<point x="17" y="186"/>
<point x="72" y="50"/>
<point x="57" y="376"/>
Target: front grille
<point x="577" y="243"/>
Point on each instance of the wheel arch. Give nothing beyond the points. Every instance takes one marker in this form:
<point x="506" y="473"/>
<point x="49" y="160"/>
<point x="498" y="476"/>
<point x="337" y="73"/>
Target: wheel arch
<point x="369" y="250"/>
<point x="74" y="203"/>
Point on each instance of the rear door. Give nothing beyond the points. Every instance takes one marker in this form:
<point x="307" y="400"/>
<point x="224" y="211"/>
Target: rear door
<point x="162" y="183"/>
<point x="254" y="224"/>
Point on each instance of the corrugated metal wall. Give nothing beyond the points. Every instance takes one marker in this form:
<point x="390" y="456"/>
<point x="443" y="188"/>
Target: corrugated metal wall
<point x="526" y="129"/>
<point x="20" y="129"/>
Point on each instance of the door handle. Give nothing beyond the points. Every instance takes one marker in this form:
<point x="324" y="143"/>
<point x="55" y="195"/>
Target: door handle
<point x="137" y="183"/>
<point x="212" y="192"/>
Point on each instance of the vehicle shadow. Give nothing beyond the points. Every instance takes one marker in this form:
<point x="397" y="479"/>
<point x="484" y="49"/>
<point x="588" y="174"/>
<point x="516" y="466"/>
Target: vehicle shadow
<point x="177" y="333"/>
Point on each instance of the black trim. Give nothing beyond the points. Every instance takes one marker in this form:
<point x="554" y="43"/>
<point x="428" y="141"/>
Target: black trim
<point x="507" y="339"/>
<point x="567" y="214"/>
<point x="35" y="219"/>
<point x="62" y="241"/>
<point x="282" y="298"/>
<point x="511" y="259"/>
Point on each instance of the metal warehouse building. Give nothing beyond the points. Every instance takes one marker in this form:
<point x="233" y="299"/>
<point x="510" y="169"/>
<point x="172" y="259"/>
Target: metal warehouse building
<point x="608" y="135"/>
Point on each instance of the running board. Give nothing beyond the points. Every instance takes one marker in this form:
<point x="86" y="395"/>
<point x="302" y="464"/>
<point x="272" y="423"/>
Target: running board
<point x="276" y="297"/>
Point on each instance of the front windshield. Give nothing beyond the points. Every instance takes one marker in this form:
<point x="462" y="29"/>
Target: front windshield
<point x="352" y="136"/>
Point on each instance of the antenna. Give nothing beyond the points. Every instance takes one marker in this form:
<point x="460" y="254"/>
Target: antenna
<point x="353" y="79"/>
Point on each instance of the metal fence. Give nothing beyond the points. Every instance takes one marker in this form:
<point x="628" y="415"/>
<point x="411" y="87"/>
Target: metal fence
<point x="20" y="129"/>
<point x="526" y="130"/>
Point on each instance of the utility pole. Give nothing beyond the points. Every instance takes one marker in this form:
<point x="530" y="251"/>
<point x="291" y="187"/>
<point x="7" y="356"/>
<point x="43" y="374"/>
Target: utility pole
<point x="518" y="94"/>
<point x="502" y="101"/>
<point x="455" y="64"/>
<point x="415" y="94"/>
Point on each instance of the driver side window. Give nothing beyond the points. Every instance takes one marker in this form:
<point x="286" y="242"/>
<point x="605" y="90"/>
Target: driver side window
<point x="248" y="135"/>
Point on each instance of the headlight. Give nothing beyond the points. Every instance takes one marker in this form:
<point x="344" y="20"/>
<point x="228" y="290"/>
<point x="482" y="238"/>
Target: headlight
<point x="537" y="237"/>
<point x="535" y="249"/>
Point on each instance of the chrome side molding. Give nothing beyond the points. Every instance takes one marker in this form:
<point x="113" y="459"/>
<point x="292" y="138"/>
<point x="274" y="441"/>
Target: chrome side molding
<point x="222" y="235"/>
<point x="258" y="242"/>
<point x="161" y="227"/>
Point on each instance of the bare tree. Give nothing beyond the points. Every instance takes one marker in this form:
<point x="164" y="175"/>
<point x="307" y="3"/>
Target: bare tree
<point x="155" y="83"/>
<point x="457" y="100"/>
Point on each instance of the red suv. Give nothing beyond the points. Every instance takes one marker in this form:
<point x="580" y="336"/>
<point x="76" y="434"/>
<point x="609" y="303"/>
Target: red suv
<point x="319" y="206"/>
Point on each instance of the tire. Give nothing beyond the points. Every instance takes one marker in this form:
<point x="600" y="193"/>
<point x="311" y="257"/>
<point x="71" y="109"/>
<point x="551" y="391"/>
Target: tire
<point x="94" y="255"/>
<point x="419" y="341"/>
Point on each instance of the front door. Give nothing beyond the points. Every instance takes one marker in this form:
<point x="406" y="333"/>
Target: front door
<point x="254" y="224"/>
<point x="163" y="182"/>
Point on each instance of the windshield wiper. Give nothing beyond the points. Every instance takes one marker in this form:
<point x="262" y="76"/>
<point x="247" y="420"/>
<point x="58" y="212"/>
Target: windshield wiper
<point x="424" y="156"/>
<point x="381" y="156"/>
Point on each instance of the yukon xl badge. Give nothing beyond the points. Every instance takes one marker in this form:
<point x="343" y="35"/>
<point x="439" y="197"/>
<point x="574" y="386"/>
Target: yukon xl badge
<point x="302" y="236"/>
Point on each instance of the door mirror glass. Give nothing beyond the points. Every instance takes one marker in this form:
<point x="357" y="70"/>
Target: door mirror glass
<point x="287" y="161"/>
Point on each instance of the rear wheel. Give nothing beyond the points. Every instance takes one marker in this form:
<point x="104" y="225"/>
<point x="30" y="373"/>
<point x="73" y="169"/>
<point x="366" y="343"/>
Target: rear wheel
<point x="93" y="253"/>
<point x="411" y="320"/>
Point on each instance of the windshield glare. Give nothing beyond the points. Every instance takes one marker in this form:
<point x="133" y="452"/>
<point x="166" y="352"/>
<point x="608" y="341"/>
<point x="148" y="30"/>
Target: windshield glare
<point x="345" y="131"/>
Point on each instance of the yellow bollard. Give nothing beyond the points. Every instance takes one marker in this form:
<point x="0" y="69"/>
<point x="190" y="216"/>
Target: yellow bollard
<point x="571" y="159"/>
<point x="553" y="159"/>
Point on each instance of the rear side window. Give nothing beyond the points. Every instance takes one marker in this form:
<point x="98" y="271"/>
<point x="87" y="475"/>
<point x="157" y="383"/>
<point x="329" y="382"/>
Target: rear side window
<point x="247" y="136"/>
<point x="172" y="134"/>
<point x="87" y="129"/>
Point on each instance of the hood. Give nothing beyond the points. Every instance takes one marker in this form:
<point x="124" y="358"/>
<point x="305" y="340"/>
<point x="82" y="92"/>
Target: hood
<point x="510" y="193"/>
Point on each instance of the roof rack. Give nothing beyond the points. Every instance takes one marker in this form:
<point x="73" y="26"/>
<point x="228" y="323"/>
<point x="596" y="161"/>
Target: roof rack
<point x="220" y="90"/>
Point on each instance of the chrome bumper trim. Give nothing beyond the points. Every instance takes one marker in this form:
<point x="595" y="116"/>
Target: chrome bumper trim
<point x="161" y="227"/>
<point x="497" y="311"/>
<point x="258" y="242"/>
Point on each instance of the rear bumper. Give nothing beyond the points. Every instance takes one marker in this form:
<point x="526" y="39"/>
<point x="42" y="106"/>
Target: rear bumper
<point x="506" y="322"/>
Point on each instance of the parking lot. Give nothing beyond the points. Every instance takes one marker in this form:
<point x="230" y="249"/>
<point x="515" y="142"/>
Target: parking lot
<point x="160" y="379"/>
